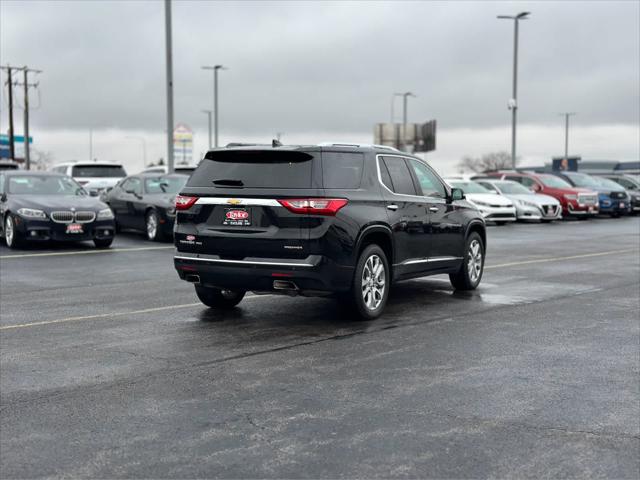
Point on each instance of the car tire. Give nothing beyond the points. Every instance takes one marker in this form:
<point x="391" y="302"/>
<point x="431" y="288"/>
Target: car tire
<point x="472" y="268"/>
<point x="371" y="282"/>
<point x="102" y="242"/>
<point x="11" y="236"/>
<point x="221" y="299"/>
<point x="152" y="224"/>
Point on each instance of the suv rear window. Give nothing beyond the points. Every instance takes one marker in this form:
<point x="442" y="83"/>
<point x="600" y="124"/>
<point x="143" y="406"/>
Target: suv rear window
<point x="254" y="169"/>
<point x="87" y="171"/>
<point x="342" y="170"/>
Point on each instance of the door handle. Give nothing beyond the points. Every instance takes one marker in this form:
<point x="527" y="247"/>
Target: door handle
<point x="392" y="207"/>
<point x="433" y="209"/>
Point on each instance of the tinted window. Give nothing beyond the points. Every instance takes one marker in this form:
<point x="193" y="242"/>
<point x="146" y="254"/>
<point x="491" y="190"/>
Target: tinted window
<point x="44" y="185"/>
<point x="169" y="185"/>
<point x="400" y="175"/>
<point x="429" y="182"/>
<point x="342" y="170"/>
<point x="254" y="169"/>
<point x="87" y="171"/>
<point x="132" y="185"/>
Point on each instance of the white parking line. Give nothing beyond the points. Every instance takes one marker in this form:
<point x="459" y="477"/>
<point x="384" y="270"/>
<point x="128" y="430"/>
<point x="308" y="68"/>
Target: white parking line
<point x="188" y="305"/>
<point x="86" y="252"/>
<point x="558" y="259"/>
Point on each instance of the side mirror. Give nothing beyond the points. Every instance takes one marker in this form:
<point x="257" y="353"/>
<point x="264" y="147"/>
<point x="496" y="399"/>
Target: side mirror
<point x="457" y="194"/>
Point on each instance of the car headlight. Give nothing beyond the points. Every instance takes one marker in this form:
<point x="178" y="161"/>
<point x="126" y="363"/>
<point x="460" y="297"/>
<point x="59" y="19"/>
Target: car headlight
<point x="570" y="196"/>
<point x="105" y="214"/>
<point x="31" y="213"/>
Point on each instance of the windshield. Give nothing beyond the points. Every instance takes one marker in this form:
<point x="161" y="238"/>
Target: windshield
<point x="469" y="187"/>
<point x="582" y="180"/>
<point x="88" y="171"/>
<point x="554" y="182"/>
<point x="170" y="185"/>
<point x="512" y="187"/>
<point x="605" y="182"/>
<point x="44" y="185"/>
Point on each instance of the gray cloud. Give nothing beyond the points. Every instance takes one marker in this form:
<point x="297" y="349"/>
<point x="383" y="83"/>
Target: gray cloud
<point x="327" y="67"/>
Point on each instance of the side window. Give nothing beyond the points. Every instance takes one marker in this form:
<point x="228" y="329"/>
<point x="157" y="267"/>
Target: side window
<point x="133" y="185"/>
<point x="342" y="170"/>
<point x="429" y="183"/>
<point x="528" y="182"/>
<point x="400" y="175"/>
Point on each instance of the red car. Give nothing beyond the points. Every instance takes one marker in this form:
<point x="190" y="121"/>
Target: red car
<point x="577" y="202"/>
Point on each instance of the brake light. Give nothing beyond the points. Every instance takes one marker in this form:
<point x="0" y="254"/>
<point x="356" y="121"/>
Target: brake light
<point x="314" y="206"/>
<point x="184" y="202"/>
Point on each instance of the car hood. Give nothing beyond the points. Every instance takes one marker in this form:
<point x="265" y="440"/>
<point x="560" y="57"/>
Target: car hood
<point x="489" y="198"/>
<point x="536" y="199"/>
<point x="49" y="203"/>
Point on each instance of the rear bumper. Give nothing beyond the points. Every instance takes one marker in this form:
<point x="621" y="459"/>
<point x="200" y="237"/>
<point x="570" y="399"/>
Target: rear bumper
<point x="314" y="274"/>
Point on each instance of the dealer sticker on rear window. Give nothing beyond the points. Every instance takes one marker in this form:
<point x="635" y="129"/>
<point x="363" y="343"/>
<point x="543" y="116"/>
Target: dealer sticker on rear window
<point x="237" y="217"/>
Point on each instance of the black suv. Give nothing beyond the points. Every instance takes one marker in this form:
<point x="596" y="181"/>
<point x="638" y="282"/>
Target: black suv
<point x="344" y="220"/>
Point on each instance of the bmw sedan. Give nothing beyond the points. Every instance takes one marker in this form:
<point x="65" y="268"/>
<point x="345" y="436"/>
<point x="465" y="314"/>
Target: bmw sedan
<point x="529" y="205"/>
<point x="146" y="203"/>
<point x="39" y="206"/>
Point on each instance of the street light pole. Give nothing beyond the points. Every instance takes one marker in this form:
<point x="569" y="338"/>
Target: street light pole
<point x="566" y="132"/>
<point x="208" y="112"/>
<point x="169" y="61"/>
<point x="215" y="69"/>
<point x="513" y="103"/>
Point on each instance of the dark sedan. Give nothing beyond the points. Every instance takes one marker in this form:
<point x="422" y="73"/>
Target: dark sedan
<point x="38" y="206"/>
<point x="146" y="202"/>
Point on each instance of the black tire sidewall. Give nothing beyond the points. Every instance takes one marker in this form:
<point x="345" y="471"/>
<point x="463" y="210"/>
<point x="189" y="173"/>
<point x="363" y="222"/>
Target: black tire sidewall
<point x="356" y="290"/>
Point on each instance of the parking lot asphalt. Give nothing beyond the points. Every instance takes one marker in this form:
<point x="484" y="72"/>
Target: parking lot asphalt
<point x="110" y="367"/>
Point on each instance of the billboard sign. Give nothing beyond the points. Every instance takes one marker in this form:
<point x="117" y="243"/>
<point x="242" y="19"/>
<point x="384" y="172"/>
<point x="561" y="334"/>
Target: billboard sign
<point x="182" y="144"/>
<point x="417" y="137"/>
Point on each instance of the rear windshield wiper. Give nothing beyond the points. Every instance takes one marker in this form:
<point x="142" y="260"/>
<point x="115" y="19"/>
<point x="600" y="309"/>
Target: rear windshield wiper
<point x="229" y="182"/>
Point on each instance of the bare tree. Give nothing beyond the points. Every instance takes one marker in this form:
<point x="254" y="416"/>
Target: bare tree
<point x="485" y="163"/>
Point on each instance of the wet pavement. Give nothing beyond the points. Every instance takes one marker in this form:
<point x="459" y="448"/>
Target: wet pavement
<point x="110" y="367"/>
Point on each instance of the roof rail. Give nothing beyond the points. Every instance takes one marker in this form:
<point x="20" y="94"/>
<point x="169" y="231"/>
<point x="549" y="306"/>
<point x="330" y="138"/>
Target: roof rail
<point x="358" y="145"/>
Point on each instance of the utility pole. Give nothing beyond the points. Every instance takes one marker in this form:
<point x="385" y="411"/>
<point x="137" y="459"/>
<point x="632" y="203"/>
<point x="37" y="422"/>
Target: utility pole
<point x="12" y="151"/>
<point x="169" y="60"/>
<point x="26" y="85"/>
<point x="566" y="132"/>
<point x="208" y="112"/>
<point x="215" y="69"/>
<point x="404" y="96"/>
<point x="513" y="102"/>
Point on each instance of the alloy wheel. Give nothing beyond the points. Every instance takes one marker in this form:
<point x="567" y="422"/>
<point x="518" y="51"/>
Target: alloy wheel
<point x="474" y="261"/>
<point x="8" y="231"/>
<point x="152" y="226"/>
<point x="373" y="282"/>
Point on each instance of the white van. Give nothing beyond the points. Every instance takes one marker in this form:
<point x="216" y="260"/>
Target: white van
<point x="93" y="176"/>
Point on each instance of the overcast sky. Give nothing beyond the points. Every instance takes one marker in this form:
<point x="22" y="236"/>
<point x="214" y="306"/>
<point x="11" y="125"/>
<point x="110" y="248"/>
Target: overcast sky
<point x="317" y="69"/>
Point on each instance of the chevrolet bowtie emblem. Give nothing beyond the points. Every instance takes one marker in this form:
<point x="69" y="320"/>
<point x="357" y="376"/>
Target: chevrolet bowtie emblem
<point x="234" y="201"/>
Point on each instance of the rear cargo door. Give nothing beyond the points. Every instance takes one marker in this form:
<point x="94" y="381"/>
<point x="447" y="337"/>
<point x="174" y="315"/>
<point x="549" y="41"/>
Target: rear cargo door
<point x="238" y="213"/>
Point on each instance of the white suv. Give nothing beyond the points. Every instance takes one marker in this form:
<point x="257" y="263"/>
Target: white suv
<point x="93" y="176"/>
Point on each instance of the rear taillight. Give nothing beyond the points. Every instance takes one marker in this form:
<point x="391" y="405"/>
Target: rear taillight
<point x="314" y="206"/>
<point x="184" y="202"/>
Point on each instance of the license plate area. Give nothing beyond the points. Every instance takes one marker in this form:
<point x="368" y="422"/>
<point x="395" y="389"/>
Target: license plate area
<point x="237" y="217"/>
<point x="74" y="229"/>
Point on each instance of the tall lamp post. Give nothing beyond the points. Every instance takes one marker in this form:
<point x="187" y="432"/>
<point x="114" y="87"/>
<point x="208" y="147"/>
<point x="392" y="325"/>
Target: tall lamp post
<point x="208" y="112"/>
<point x="566" y="116"/>
<point x="143" y="141"/>
<point x="513" y="103"/>
<point x="215" y="69"/>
